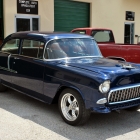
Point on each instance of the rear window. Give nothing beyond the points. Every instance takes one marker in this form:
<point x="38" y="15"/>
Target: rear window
<point x="32" y="48"/>
<point x="11" y="46"/>
<point x="80" y="31"/>
<point x="102" y="35"/>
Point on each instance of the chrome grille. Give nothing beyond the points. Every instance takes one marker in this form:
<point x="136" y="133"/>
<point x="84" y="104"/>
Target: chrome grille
<point x="124" y="94"/>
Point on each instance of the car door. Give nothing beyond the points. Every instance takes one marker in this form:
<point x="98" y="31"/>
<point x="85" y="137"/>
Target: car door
<point x="29" y="68"/>
<point x="11" y="47"/>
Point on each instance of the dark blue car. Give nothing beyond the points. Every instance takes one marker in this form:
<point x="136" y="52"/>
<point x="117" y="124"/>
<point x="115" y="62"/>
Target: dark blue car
<point x="70" y="70"/>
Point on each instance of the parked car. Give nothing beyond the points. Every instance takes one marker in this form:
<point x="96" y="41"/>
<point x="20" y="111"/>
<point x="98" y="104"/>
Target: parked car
<point x="108" y="47"/>
<point x="68" y="69"/>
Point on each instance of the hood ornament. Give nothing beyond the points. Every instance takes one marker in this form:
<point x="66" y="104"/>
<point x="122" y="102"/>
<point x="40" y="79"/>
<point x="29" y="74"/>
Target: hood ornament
<point x="127" y="66"/>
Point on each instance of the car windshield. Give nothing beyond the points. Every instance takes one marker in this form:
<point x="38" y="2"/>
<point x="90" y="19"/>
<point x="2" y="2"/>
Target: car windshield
<point x="71" y="48"/>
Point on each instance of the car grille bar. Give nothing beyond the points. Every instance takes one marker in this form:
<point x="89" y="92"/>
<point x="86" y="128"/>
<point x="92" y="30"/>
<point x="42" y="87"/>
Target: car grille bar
<point x="124" y="94"/>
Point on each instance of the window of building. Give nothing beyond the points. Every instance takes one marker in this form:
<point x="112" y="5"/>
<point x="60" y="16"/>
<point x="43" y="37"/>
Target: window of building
<point x="26" y="22"/>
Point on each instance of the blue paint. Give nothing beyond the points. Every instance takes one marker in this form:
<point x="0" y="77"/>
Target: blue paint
<point x="43" y="79"/>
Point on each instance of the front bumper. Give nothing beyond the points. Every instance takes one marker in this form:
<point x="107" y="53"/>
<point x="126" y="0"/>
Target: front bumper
<point x="107" y="108"/>
<point x="124" y="105"/>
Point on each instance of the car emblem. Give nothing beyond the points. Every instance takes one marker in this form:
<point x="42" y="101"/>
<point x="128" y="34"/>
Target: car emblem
<point x="127" y="66"/>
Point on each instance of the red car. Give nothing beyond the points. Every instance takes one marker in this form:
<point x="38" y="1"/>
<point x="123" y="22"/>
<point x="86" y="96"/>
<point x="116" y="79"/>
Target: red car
<point x="108" y="47"/>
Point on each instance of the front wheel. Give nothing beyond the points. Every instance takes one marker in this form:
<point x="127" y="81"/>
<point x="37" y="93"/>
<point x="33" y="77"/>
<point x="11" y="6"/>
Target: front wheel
<point x="72" y="107"/>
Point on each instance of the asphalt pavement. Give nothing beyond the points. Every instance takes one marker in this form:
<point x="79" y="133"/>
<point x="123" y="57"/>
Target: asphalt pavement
<point x="24" y="118"/>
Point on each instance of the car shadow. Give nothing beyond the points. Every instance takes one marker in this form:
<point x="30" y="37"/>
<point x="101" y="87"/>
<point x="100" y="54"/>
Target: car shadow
<point x="99" y="126"/>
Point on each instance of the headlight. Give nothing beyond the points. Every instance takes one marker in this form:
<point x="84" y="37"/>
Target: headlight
<point x="104" y="87"/>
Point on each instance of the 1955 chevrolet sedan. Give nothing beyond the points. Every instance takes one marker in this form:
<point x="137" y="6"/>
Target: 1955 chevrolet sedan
<point x="68" y="69"/>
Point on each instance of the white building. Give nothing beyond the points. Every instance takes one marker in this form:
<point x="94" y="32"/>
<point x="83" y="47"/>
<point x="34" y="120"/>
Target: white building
<point x="64" y="15"/>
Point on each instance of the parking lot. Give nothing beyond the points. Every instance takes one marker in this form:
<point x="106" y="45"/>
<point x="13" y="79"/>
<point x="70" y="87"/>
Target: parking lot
<point x="24" y="118"/>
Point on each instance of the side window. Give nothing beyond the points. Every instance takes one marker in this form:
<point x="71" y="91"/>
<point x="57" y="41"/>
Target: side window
<point x="32" y="48"/>
<point x="11" y="46"/>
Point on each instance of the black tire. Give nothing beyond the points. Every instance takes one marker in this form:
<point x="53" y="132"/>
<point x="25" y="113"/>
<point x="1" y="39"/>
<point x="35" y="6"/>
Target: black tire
<point x="134" y="108"/>
<point x="83" y="113"/>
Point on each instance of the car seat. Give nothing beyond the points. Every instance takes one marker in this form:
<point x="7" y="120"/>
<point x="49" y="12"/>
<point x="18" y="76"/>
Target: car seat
<point x="55" y="51"/>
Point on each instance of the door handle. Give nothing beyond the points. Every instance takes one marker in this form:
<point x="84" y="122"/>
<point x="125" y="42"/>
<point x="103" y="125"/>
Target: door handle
<point x="16" y="58"/>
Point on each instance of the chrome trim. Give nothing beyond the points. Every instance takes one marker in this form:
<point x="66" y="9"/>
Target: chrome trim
<point x="66" y="58"/>
<point x="69" y="57"/>
<point x="124" y="101"/>
<point x="123" y="88"/>
<point x="127" y="66"/>
<point x="10" y="70"/>
<point x="16" y="58"/>
<point x="8" y="61"/>
<point x="102" y="101"/>
<point x="69" y="107"/>
<point x="29" y="57"/>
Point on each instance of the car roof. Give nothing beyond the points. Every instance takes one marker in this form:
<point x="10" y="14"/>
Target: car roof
<point x="92" y="28"/>
<point x="46" y="35"/>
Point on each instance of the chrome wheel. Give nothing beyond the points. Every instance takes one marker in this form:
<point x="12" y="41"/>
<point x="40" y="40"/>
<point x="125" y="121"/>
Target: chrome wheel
<point x="69" y="107"/>
<point x="72" y="107"/>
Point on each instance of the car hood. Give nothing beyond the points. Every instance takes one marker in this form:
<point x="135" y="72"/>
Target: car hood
<point x="106" y="68"/>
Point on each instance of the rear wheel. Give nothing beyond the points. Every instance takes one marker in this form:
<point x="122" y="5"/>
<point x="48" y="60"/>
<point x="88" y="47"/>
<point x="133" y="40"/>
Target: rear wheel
<point x="134" y="108"/>
<point x="72" y="107"/>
